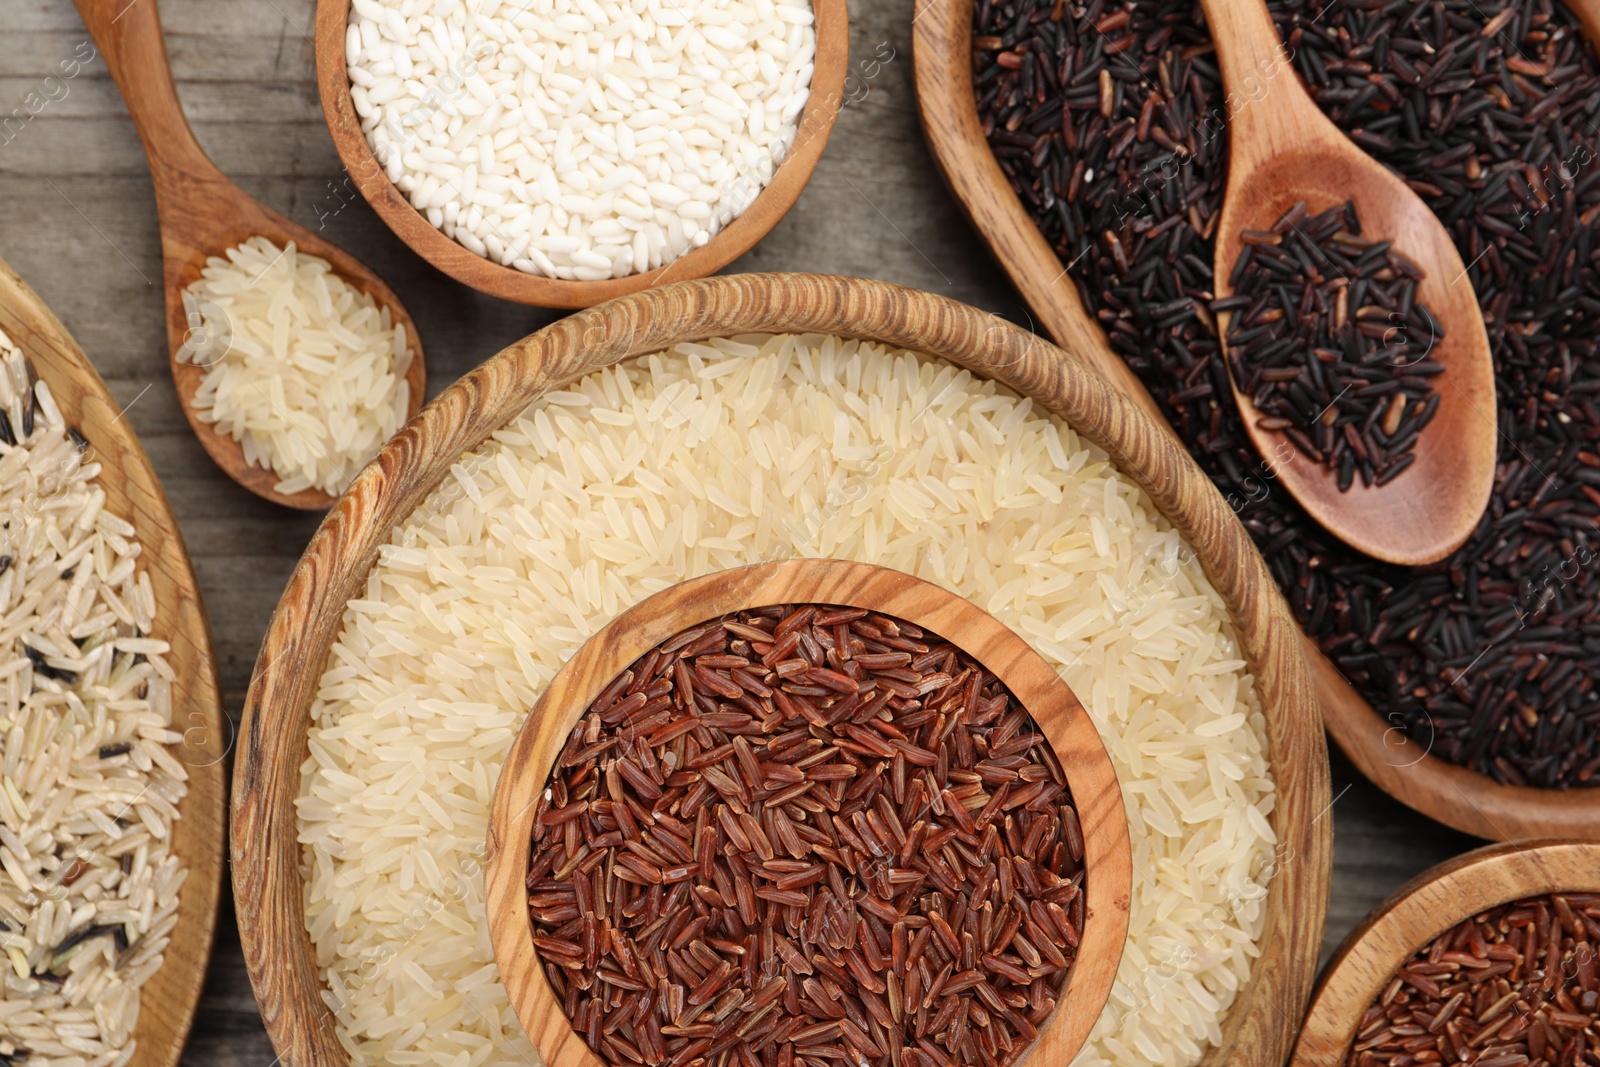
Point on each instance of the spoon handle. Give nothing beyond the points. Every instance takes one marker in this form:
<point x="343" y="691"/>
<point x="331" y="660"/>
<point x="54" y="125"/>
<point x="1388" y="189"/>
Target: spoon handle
<point x="1266" y="109"/>
<point x="128" y="35"/>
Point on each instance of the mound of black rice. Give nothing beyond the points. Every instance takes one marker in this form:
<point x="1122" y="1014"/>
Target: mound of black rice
<point x="1327" y="339"/>
<point x="1110" y="121"/>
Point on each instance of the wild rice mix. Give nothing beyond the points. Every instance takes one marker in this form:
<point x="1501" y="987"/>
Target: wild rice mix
<point x="89" y="789"/>
<point x="1514" y="987"/>
<point x="807" y="834"/>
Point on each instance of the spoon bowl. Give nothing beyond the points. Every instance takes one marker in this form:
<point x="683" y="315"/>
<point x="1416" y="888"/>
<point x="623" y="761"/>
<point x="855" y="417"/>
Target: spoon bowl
<point x="203" y="214"/>
<point x="1283" y="150"/>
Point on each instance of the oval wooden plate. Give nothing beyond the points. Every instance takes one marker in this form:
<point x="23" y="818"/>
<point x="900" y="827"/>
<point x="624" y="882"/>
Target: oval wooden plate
<point x="1072" y="735"/>
<point x="830" y="66"/>
<point x="1421" y="910"/>
<point x="169" y="998"/>
<point x="267" y="881"/>
<point x="1471" y="802"/>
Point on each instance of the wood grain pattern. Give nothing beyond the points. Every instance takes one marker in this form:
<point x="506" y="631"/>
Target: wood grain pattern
<point x="1418" y="912"/>
<point x="1588" y="13"/>
<point x="1061" y="718"/>
<point x="1455" y="796"/>
<point x="203" y="214"/>
<point x="266" y="856"/>
<point x="168" y="1000"/>
<point x="1282" y="150"/>
<point x="830" y="67"/>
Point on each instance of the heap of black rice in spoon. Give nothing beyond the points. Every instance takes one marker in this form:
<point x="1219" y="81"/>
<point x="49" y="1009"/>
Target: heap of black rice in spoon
<point x="1326" y="336"/>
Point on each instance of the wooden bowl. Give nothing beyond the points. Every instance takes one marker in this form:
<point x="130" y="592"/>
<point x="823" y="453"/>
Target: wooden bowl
<point x="467" y="267"/>
<point x="169" y="998"/>
<point x="1090" y="776"/>
<point x="266" y="854"/>
<point x="1456" y="796"/>
<point x="1419" y="911"/>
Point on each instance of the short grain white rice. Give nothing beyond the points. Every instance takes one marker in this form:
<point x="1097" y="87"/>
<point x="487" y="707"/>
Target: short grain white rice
<point x="715" y="455"/>
<point x="303" y="369"/>
<point x="88" y="787"/>
<point x="575" y="139"/>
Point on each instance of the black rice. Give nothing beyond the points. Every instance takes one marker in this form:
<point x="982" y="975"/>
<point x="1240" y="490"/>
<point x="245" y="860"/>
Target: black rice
<point x="1327" y="338"/>
<point x="1111" y="124"/>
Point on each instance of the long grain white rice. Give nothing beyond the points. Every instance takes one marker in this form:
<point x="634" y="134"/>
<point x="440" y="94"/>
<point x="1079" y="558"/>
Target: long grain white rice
<point x="715" y="455"/>
<point x="89" y="789"/>
<point x="304" y="370"/>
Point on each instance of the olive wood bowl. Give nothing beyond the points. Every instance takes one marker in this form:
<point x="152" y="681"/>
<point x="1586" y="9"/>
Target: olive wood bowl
<point x="1092" y="781"/>
<point x="1421" y="910"/>
<point x="830" y="67"/>
<point x="1456" y="796"/>
<point x="168" y="1000"/>
<point x="267" y="880"/>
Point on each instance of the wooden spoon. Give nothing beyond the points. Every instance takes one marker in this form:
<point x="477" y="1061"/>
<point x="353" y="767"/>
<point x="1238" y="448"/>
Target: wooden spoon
<point x="1283" y="150"/>
<point x="204" y="214"/>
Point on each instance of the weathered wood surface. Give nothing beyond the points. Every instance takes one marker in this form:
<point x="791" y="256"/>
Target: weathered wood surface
<point x="78" y="221"/>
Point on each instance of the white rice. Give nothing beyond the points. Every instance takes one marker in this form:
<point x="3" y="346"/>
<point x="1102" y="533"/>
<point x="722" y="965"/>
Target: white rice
<point x="716" y="455"/>
<point x="89" y="788"/>
<point x="304" y="370"/>
<point x="579" y="139"/>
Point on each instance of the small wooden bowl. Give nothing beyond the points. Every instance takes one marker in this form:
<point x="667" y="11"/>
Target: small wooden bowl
<point x="1421" y="910"/>
<point x="830" y="67"/>
<point x="1093" y="782"/>
<point x="1464" y="799"/>
<point x="1258" y="1030"/>
<point x="168" y="1000"/>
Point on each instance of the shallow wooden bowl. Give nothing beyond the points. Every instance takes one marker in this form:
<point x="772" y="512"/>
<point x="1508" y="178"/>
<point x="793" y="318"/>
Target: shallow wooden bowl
<point x="1421" y="910"/>
<point x="168" y="1000"/>
<point x="467" y="267"/>
<point x="266" y="855"/>
<point x="1471" y="802"/>
<point x="1035" y="684"/>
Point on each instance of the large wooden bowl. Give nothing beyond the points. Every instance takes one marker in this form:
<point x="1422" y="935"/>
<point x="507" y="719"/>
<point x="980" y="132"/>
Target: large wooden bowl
<point x="1421" y="910"/>
<point x="168" y="999"/>
<point x="461" y="263"/>
<point x="1471" y="802"/>
<point x="266" y="855"/>
<point x="1092" y="780"/>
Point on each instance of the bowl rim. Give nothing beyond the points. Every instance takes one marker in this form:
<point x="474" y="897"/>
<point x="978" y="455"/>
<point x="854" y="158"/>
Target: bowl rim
<point x="1039" y="690"/>
<point x="1422" y="909"/>
<point x="1457" y="796"/>
<point x="268" y="887"/>
<point x="789" y="179"/>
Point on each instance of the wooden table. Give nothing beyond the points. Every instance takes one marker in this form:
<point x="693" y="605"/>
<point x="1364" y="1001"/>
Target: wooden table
<point x="78" y="221"/>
